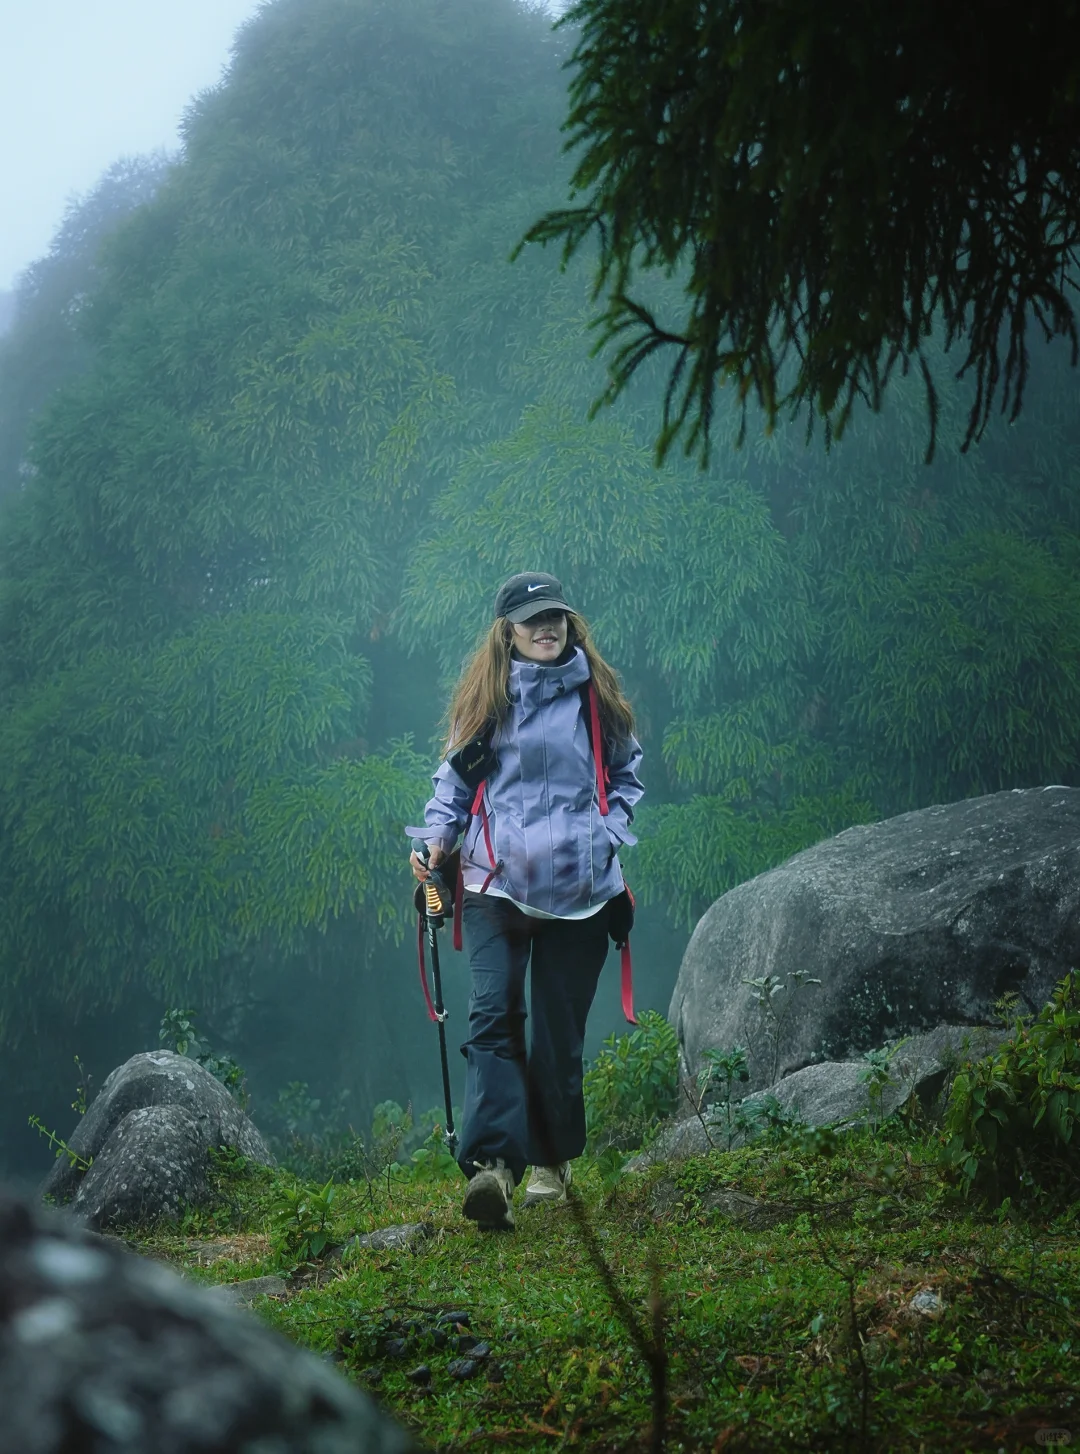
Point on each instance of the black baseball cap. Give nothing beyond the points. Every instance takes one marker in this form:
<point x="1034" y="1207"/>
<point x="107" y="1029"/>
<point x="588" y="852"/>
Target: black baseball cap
<point x="526" y="595"/>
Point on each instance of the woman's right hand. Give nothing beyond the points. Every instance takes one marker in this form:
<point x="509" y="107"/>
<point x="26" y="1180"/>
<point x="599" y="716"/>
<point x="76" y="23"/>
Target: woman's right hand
<point x="436" y="854"/>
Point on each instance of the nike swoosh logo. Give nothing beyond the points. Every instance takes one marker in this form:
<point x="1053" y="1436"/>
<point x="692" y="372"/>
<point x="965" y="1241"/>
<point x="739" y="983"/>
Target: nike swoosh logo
<point x="530" y="589"/>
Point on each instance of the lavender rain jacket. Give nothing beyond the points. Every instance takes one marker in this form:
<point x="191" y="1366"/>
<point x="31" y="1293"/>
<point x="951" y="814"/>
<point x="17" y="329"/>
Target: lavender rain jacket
<point x="557" y="852"/>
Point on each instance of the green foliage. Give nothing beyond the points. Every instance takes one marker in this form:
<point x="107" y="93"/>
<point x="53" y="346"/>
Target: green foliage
<point x="83" y="1090"/>
<point x="823" y="1287"/>
<point x="1011" y="1118"/>
<point x="59" y="1145"/>
<point x="311" y="1142"/>
<point x="300" y="1221"/>
<point x="43" y="345"/>
<point x="969" y="646"/>
<point x="692" y="852"/>
<point x="784" y="162"/>
<point x="430" y="1162"/>
<point x="177" y="1032"/>
<point x="822" y="1141"/>
<point x="610" y="1164"/>
<point x="778" y="1126"/>
<point x="312" y="419"/>
<point x="79" y="1105"/>
<point x="314" y="1142"/>
<point x="632" y="1084"/>
<point x="874" y="1074"/>
<point x="774" y="1004"/>
<point x="717" y="1078"/>
<point x="196" y="581"/>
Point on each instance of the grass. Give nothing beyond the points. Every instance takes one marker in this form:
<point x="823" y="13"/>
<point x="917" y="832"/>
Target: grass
<point x="795" y="1330"/>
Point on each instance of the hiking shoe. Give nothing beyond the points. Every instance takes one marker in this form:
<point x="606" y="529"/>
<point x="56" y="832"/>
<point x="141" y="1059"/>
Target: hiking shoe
<point x="548" y="1184"/>
<point x="489" y="1201"/>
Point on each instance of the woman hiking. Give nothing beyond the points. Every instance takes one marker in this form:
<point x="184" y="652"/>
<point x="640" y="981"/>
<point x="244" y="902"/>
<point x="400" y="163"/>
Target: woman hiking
<point x="540" y="870"/>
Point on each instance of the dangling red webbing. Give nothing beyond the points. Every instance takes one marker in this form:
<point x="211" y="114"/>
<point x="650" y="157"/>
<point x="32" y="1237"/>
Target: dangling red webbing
<point x="627" y="983"/>
<point x="477" y="807"/>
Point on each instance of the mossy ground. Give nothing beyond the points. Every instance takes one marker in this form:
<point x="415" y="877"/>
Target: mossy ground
<point x="796" y="1331"/>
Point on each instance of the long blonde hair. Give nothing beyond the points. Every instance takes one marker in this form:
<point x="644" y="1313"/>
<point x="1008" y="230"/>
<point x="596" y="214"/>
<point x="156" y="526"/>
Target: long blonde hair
<point x="482" y="694"/>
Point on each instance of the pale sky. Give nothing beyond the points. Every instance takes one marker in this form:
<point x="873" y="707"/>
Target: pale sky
<point x="85" y="82"/>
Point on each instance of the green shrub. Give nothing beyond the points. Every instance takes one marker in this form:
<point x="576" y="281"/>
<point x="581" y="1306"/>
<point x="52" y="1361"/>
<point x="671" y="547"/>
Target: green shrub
<point x="632" y="1085"/>
<point x="721" y="1071"/>
<point x="177" y="1031"/>
<point x="430" y="1162"/>
<point x="317" y="1144"/>
<point x="1011" y="1118"/>
<point x="300" y="1220"/>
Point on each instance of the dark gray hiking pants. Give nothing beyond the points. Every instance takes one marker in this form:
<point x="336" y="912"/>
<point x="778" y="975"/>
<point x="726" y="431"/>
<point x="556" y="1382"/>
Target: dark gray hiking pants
<point x="525" y="1104"/>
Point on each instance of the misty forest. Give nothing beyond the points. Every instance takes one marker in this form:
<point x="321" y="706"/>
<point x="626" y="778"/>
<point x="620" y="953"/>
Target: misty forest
<point x="278" y="415"/>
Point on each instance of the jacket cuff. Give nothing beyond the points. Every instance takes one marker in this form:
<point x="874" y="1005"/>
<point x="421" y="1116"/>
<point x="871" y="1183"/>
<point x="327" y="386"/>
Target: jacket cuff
<point x="439" y="840"/>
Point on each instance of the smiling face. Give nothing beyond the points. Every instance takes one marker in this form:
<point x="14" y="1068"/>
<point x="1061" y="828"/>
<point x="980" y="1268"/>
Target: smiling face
<point x="542" y="638"/>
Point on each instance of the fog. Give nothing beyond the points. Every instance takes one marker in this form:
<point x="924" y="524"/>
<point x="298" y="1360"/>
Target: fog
<point x="87" y="84"/>
<point x="84" y="85"/>
<point x="266" y="458"/>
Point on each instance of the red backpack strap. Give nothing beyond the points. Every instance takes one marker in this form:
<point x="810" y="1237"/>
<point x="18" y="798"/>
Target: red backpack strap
<point x="597" y="750"/>
<point x="478" y="806"/>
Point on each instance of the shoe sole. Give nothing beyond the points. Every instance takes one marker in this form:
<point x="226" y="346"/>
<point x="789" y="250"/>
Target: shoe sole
<point x="486" y="1206"/>
<point x="538" y="1198"/>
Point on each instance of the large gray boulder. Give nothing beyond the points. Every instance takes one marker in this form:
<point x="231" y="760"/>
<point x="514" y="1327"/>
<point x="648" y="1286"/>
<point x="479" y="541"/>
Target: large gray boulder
<point x="834" y="1093"/>
<point x="920" y="920"/>
<point x="102" y="1350"/>
<point x="148" y="1132"/>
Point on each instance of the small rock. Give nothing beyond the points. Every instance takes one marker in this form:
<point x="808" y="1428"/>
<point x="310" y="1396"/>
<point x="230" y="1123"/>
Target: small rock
<point x="243" y="1294"/>
<point x="371" y="1375"/>
<point x="461" y="1368"/>
<point x="494" y="1372"/>
<point x="481" y="1350"/>
<point x="462" y="1319"/>
<point x="396" y="1347"/>
<point x="928" y="1302"/>
<point x="420" y="1374"/>
<point x="463" y="1343"/>
<point x="438" y="1337"/>
<point x="386" y="1239"/>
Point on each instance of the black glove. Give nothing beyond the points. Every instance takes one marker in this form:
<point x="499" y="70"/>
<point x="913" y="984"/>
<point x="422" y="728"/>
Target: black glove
<point x="621" y="915"/>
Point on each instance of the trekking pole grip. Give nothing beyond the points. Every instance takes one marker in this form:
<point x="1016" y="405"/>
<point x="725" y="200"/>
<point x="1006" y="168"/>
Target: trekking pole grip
<point x="432" y="897"/>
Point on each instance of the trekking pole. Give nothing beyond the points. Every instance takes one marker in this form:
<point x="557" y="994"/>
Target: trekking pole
<point x="432" y="915"/>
